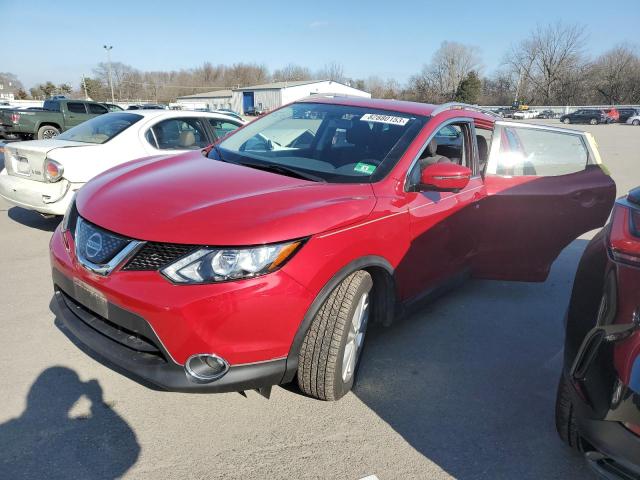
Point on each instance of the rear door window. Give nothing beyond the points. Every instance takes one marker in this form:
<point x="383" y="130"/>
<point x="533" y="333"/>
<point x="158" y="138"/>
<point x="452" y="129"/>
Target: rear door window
<point x="179" y="134"/>
<point x="76" y="107"/>
<point x="222" y="128"/>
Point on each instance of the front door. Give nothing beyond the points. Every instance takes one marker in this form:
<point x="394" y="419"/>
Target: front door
<point x="545" y="187"/>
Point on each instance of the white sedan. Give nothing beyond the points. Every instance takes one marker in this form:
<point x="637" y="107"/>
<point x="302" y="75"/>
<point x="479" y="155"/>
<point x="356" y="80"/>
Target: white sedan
<point x="634" y="120"/>
<point x="42" y="175"/>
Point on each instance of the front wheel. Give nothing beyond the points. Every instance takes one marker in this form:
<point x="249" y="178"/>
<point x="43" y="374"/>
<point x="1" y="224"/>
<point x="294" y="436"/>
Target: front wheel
<point x="47" y="131"/>
<point x="635" y="122"/>
<point x="565" y="419"/>
<point x="330" y="351"/>
<point x="566" y="121"/>
<point x="593" y="121"/>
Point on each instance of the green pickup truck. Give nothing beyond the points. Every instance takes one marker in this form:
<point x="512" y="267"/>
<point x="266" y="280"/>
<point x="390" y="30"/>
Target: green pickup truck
<point x="56" y="116"/>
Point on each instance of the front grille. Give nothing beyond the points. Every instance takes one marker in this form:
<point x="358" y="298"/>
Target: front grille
<point x="154" y="256"/>
<point x="96" y="244"/>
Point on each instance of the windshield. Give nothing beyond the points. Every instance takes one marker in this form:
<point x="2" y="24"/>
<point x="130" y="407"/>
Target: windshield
<point x="333" y="143"/>
<point x="100" y="129"/>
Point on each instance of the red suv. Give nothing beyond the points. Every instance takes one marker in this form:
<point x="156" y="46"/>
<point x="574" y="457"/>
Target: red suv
<point x="598" y="403"/>
<point x="263" y="259"/>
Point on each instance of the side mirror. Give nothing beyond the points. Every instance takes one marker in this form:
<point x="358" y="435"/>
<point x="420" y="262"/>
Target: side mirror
<point x="444" y="177"/>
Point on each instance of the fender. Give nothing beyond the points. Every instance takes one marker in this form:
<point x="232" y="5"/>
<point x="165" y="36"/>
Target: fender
<point x="385" y="303"/>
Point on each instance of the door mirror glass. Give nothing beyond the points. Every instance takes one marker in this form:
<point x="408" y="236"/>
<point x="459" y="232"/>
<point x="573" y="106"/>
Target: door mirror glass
<point x="445" y="177"/>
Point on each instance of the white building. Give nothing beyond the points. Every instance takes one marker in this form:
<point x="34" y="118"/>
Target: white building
<point x="209" y="100"/>
<point x="266" y="97"/>
<point x="273" y="95"/>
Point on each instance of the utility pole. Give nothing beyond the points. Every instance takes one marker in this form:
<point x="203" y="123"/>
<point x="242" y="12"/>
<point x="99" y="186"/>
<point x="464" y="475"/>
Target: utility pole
<point x="84" y="84"/>
<point x="108" y="49"/>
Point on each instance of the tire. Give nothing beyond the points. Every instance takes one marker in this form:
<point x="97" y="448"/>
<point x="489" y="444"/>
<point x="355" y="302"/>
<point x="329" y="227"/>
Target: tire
<point x="593" y="121"/>
<point x="566" y="121"/>
<point x="47" y="131"/>
<point x="565" y="420"/>
<point x="333" y="332"/>
<point x="635" y="122"/>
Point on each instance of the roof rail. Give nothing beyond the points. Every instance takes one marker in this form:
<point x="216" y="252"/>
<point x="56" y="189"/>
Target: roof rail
<point x="462" y="106"/>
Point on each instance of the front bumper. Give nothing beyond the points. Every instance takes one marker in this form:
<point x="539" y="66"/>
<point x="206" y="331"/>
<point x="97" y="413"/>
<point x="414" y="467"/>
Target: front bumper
<point x="43" y="197"/>
<point x="150" y="369"/>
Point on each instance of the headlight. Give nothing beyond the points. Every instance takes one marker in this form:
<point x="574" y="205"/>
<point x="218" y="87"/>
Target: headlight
<point x="53" y="170"/>
<point x="209" y="265"/>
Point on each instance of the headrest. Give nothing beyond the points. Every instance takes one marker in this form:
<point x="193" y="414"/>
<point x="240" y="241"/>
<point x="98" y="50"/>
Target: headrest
<point x="187" y="139"/>
<point x="483" y="149"/>
<point x="360" y="133"/>
<point x="432" y="148"/>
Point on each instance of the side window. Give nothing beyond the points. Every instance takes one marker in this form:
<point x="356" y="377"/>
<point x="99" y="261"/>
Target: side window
<point x="483" y="141"/>
<point x="76" y="107"/>
<point x="520" y="151"/>
<point x="96" y="109"/>
<point x="449" y="145"/>
<point x="51" y="105"/>
<point x="222" y="128"/>
<point x="180" y="134"/>
<point x="151" y="138"/>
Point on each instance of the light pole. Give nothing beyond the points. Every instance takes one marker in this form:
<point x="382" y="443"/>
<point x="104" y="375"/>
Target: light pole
<point x="108" y="49"/>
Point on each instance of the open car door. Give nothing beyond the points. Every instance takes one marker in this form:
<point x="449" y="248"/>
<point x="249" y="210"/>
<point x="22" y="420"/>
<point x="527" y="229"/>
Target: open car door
<point x="545" y="187"/>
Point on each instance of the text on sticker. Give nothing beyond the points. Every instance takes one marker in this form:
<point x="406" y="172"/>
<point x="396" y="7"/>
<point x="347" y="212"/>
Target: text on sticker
<point x="377" y="118"/>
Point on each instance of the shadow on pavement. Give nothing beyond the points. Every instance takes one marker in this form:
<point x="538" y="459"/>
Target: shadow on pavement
<point x="470" y="380"/>
<point x="46" y="442"/>
<point x="32" y="219"/>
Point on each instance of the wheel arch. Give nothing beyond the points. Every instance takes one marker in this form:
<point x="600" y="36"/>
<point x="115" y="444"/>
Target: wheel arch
<point x="384" y="308"/>
<point x="47" y="123"/>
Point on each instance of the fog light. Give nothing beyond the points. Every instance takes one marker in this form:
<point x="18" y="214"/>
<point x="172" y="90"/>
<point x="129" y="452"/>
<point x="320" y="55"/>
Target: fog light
<point x="205" y="368"/>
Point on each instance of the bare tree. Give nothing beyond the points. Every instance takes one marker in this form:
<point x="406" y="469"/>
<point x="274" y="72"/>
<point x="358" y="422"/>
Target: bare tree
<point x="616" y="75"/>
<point x="291" y="72"/>
<point x="439" y="80"/>
<point x="332" y="71"/>
<point x="547" y="58"/>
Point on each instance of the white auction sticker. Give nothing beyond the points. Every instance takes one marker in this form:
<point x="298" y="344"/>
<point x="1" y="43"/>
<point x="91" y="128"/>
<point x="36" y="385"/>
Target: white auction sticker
<point x="377" y="118"/>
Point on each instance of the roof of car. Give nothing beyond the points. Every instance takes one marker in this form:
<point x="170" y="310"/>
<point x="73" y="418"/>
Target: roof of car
<point x="402" y="106"/>
<point x="176" y="113"/>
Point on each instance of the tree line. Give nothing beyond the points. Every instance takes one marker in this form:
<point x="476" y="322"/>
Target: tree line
<point x="548" y="67"/>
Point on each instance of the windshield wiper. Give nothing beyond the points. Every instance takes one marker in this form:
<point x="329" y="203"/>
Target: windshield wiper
<point x="291" y="172"/>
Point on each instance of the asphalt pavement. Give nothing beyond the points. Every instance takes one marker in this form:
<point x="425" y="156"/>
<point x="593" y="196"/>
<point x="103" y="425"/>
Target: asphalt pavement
<point x="464" y="388"/>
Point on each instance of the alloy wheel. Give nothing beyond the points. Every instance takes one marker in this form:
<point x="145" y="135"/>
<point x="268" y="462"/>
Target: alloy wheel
<point x="355" y="337"/>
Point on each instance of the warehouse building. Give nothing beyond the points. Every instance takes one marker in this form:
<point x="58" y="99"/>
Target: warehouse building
<point x="268" y="96"/>
<point x="273" y="95"/>
<point x="208" y="100"/>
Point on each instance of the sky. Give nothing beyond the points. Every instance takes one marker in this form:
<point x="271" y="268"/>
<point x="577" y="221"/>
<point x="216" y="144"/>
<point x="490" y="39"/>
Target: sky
<point x="384" y="38"/>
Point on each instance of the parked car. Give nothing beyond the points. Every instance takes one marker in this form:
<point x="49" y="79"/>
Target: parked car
<point x="146" y="106"/>
<point x="625" y="113"/>
<point x="547" y="114"/>
<point x="598" y="403"/>
<point x="525" y="114"/>
<point x="265" y="261"/>
<point x="634" y="120"/>
<point x="232" y="113"/>
<point x="612" y="114"/>
<point x="112" y="107"/>
<point x="42" y="175"/>
<point x="57" y="116"/>
<point x="591" y="116"/>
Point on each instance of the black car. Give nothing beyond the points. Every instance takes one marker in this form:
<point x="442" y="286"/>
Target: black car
<point x="598" y="402"/>
<point x="547" y="114"/>
<point x="585" y="115"/>
<point x="626" y="112"/>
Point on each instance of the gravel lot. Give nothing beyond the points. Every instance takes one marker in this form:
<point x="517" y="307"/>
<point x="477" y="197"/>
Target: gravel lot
<point x="463" y="389"/>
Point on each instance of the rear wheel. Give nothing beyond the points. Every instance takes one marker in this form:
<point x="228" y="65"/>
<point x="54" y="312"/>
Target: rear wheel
<point x="636" y="122"/>
<point x="593" y="121"/>
<point x="565" y="419"/>
<point x="47" y="131"/>
<point x="329" y="355"/>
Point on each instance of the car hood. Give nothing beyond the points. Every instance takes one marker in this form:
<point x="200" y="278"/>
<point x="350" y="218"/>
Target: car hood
<point x="195" y="200"/>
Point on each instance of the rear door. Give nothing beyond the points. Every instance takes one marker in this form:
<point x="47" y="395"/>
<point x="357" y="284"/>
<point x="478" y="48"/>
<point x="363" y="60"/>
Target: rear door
<point x="545" y="187"/>
<point x="75" y="113"/>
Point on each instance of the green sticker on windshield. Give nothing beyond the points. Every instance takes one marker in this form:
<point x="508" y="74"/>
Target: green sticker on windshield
<point x="364" y="168"/>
